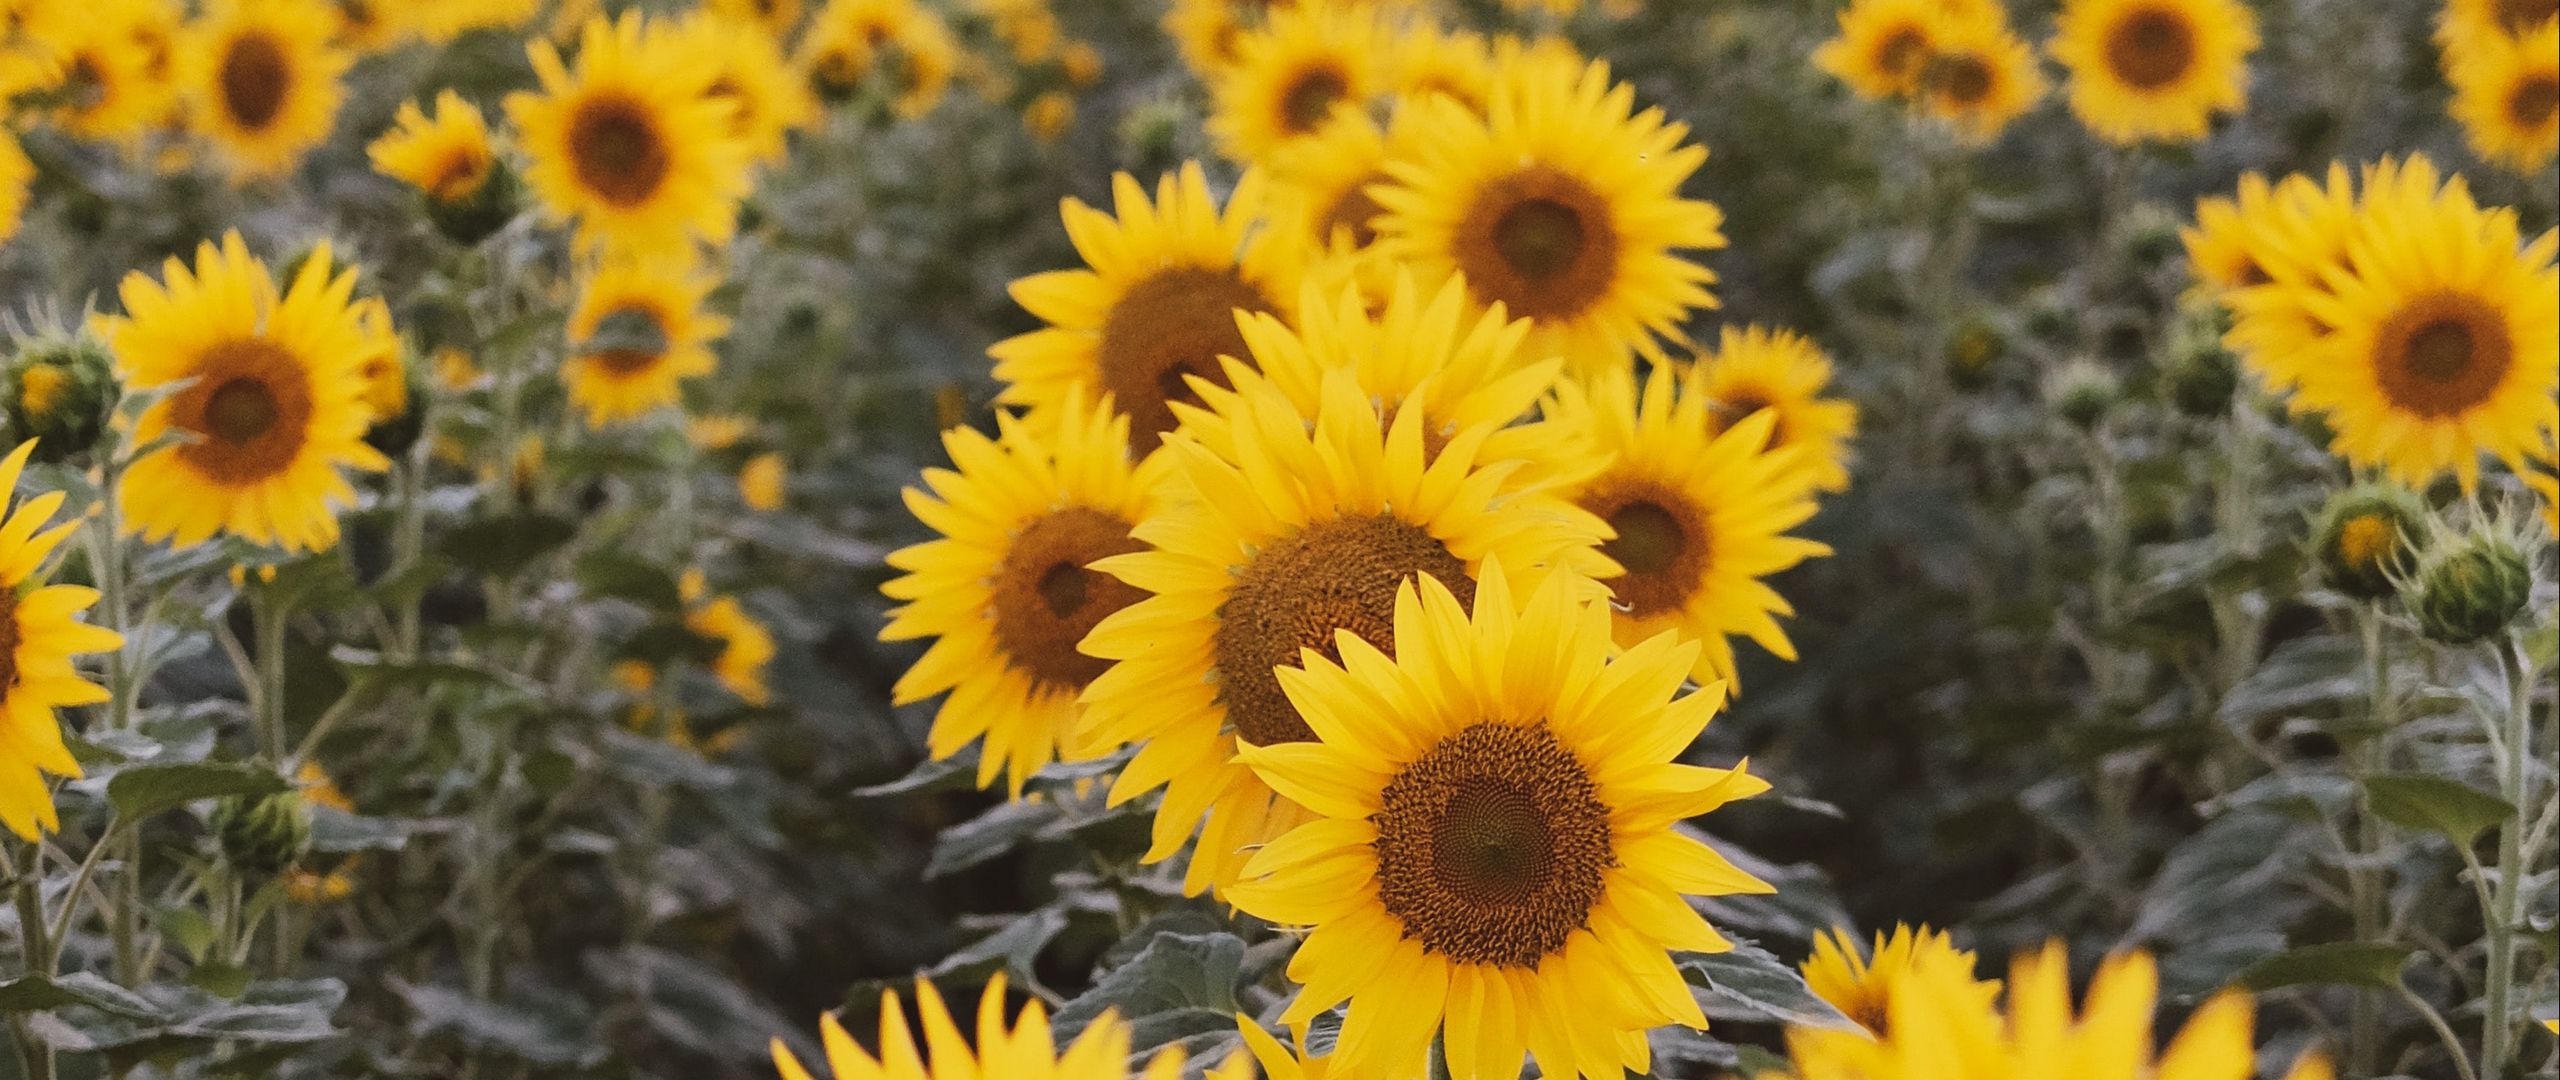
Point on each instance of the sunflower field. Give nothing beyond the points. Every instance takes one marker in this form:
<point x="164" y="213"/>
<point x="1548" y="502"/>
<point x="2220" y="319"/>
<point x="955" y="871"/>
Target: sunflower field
<point x="1279" y="539"/>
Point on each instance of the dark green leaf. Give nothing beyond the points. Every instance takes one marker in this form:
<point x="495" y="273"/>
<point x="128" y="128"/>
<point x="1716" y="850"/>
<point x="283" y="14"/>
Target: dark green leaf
<point x="2448" y="808"/>
<point x="504" y="545"/>
<point x="1761" y="986"/>
<point x="36" y="993"/>
<point x="2336" y="963"/>
<point x="144" y="790"/>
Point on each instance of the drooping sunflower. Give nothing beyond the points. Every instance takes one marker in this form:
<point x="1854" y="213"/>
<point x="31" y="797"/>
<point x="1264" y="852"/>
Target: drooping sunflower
<point x="261" y="80"/>
<point x="2506" y="92"/>
<point x="1022" y="1051"/>
<point x="630" y="146"/>
<point x="638" y="332"/>
<point x="39" y="634"/>
<point x="899" y="40"/>
<point x="1756" y="368"/>
<point x="1309" y="64"/>
<point x="1860" y="985"/>
<point x="114" y="87"/>
<point x="2446" y="340"/>
<point x="1305" y="530"/>
<point x="1562" y="203"/>
<point x="1700" y="511"/>
<point x="448" y="158"/>
<point x="1943" y="1027"/>
<point x="1979" y="77"/>
<point x="1007" y="589"/>
<point x="1157" y="301"/>
<point x="273" y="409"/>
<point x="1491" y="853"/>
<point x="2155" y="69"/>
<point x="1883" y="45"/>
<point x="746" y="647"/>
<point x="767" y="98"/>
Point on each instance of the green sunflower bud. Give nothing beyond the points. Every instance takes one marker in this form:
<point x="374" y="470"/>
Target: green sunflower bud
<point x="2081" y="392"/>
<point x="1152" y="137"/>
<point x="1974" y="350"/>
<point x="60" y="391"/>
<point x="471" y="218"/>
<point x="263" y="836"/>
<point x="2150" y="234"/>
<point x="2202" y="378"/>
<point x="2469" y="586"/>
<point x="2364" y="535"/>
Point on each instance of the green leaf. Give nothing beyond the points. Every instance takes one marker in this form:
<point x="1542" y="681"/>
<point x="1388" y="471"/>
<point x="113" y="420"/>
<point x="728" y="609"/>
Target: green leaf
<point x="37" y="993"/>
<point x="1002" y="828"/>
<point x="2448" y="808"/>
<point x="1179" y="988"/>
<point x="504" y="545"/>
<point x="614" y="574"/>
<point x="1757" y="985"/>
<point x="144" y="790"/>
<point x="2336" y="963"/>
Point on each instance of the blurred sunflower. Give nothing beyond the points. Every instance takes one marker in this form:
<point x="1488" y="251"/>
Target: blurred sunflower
<point x="449" y="158"/>
<point x="2447" y="331"/>
<point x="2468" y="24"/>
<point x="1023" y="1051"/>
<point x="1979" y="77"/>
<point x="261" y="78"/>
<point x="1943" y="1027"/>
<point x="746" y="647"/>
<point x="764" y="482"/>
<point x="1860" y="984"/>
<point x="629" y="146"/>
<point x="39" y="634"/>
<point x="1208" y="33"/>
<point x="768" y="99"/>
<point x="1006" y="590"/>
<point x="777" y="18"/>
<point x="1426" y="61"/>
<point x="1157" y="304"/>
<point x="371" y="26"/>
<point x="1883" y="45"/>
<point x="1320" y="185"/>
<point x="1308" y="65"/>
<point x="1756" y="368"/>
<point x="2295" y="239"/>
<point x="2155" y="69"/>
<point x="638" y="332"/>
<point x="384" y="374"/>
<point x="114" y="87"/>
<point x="2219" y="247"/>
<point x="445" y="20"/>
<point x="17" y="176"/>
<point x="1563" y="204"/>
<point x="1491" y="853"/>
<point x="899" y="41"/>
<point x="2506" y="92"/>
<point x="273" y="403"/>
<point x="1700" y="516"/>
<point x="1306" y="530"/>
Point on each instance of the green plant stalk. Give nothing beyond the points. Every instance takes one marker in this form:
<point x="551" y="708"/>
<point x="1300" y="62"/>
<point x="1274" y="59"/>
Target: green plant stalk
<point x="2364" y="884"/>
<point x="35" y="953"/>
<point x="268" y="612"/>
<point x="107" y="553"/>
<point x="2515" y="751"/>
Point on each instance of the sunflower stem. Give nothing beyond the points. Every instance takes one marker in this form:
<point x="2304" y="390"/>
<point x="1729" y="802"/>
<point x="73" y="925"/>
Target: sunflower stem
<point x="2364" y="884"/>
<point x="2515" y="753"/>
<point x="33" y="952"/>
<point x="267" y="612"/>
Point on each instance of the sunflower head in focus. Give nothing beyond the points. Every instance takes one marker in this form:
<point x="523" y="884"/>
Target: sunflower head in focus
<point x="114" y="85"/>
<point x="1022" y="1050"/>
<point x="1699" y="511"/>
<point x="2155" y="70"/>
<point x="1563" y="204"/>
<point x="273" y="409"/>
<point x="1860" y="984"/>
<point x="1007" y="588"/>
<point x="638" y="331"/>
<point x="767" y="99"/>
<point x="1155" y="305"/>
<point x="1978" y="78"/>
<point x="261" y="80"/>
<point x="2506" y="92"/>
<point x="1304" y="527"/>
<point x="630" y="145"/>
<point x="2446" y="331"/>
<point x="40" y="632"/>
<point x="1493" y="852"/>
<point x="1309" y="65"/>
<point x="1755" y="369"/>
<point x="904" y="44"/>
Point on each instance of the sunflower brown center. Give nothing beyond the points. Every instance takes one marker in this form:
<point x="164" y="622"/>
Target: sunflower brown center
<point x="2522" y="16"/>
<point x="2151" y="48"/>
<point x="1353" y="210"/>
<point x="1046" y="600"/>
<point x="623" y="329"/>
<point x="1902" y="51"/>
<point x="459" y="175"/>
<point x="1294" y="593"/>
<point x="1311" y="97"/>
<point x="1741" y="407"/>
<point x="1540" y="241"/>
<point x="1962" y="79"/>
<point x="1493" y="846"/>
<point x="84" y="83"/>
<point x="1661" y="541"/>
<point x="1175" y="323"/>
<point x="617" y="150"/>
<point x="249" y="408"/>
<point x="2534" y="102"/>
<point x="255" y="76"/>
<point x="8" y="639"/>
<point x="2442" y="355"/>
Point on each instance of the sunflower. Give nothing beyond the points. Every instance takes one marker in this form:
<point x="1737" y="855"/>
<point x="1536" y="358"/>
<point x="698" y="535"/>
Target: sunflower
<point x="1277" y="1062"/>
<point x="2469" y="24"/>
<point x="1860" y="985"/>
<point x="371" y="26"/>
<point x="777" y="18"/>
<point x="1305" y="529"/>
<point x="1979" y="77"/>
<point x="1563" y="204"/>
<point x="1699" y="516"/>
<point x="2155" y="69"/>
<point x="1755" y="369"/>
<point x="764" y="482"/>
<point x="1943" y="1027"/>
<point x="1309" y="65"/>
<point x="630" y="146"/>
<point x="767" y="98"/>
<point x="746" y="647"/>
<point x="39" y="634"/>
<point x="17" y="175"/>
<point x="2219" y="244"/>
<point x="2447" y="331"/>
<point x="445" y="20"/>
<point x="1025" y="1051"/>
<point x="1426" y="61"/>
<point x="113" y="86"/>
<point x="899" y="40"/>
<point x="2506" y="92"/>
<point x="1491" y="850"/>
<point x="2295" y="238"/>
<point x="1005" y="591"/>
<point x="638" y="332"/>
<point x="448" y="159"/>
<point x="272" y="407"/>
<point x="1209" y="33"/>
<point x="384" y="373"/>
<point x="1157" y="303"/>
<point x="262" y="79"/>
<point x="1883" y="45"/>
<point x="1320" y="185"/>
